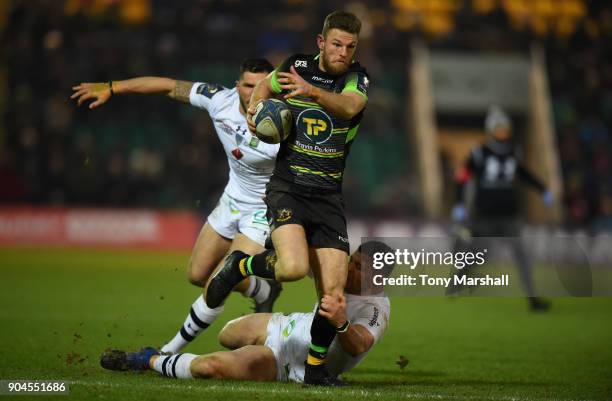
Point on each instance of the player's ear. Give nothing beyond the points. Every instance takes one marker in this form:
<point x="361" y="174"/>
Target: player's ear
<point x="320" y="42"/>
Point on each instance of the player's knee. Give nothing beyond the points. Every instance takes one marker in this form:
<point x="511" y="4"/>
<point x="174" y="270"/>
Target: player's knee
<point x="209" y="366"/>
<point x="228" y="337"/>
<point x="291" y="270"/>
<point x="196" y="277"/>
<point x="198" y="273"/>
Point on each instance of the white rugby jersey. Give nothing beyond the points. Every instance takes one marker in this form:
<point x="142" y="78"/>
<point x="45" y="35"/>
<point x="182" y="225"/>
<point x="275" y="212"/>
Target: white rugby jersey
<point x="250" y="160"/>
<point x="369" y="312"/>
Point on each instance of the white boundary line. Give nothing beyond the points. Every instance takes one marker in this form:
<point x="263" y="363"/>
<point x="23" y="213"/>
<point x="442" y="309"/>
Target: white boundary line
<point x="243" y="388"/>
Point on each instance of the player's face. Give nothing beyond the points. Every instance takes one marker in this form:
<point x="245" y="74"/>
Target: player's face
<point x="245" y="86"/>
<point x="337" y="50"/>
<point x="502" y="133"/>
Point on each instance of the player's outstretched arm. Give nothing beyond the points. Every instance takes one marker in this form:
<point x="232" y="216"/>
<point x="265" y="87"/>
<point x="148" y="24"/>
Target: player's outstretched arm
<point x="102" y="91"/>
<point x="354" y="338"/>
<point x="345" y="105"/>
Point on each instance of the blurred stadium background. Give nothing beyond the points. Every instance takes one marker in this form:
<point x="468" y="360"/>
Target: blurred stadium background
<point x="435" y="65"/>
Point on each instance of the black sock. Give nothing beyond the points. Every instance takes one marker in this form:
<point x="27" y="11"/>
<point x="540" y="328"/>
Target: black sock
<point x="260" y="265"/>
<point x="322" y="334"/>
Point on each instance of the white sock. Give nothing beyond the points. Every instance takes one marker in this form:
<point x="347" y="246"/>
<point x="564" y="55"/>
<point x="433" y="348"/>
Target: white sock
<point x="259" y="289"/>
<point x="199" y="318"/>
<point x="177" y="366"/>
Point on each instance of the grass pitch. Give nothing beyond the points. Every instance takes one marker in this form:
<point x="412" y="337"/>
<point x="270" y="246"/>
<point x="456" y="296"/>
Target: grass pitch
<point x="59" y="309"/>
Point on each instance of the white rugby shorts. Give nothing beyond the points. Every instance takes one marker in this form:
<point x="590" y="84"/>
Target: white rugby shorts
<point x="231" y="216"/>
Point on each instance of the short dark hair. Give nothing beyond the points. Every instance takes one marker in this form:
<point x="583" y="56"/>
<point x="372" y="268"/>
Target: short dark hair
<point x="343" y="20"/>
<point x="371" y="247"/>
<point x="255" y="65"/>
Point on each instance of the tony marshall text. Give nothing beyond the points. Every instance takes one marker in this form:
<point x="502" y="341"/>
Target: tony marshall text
<point x="426" y="280"/>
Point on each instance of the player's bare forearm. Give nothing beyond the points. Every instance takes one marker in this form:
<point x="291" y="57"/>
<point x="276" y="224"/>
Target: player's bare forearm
<point x="356" y="340"/>
<point x="101" y="92"/>
<point x="178" y="90"/>
<point x="343" y="105"/>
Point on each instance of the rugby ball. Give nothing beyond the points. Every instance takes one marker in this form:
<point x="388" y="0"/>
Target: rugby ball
<point x="272" y="120"/>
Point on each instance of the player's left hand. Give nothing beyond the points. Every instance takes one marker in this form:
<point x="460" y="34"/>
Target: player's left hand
<point x="294" y="83"/>
<point x="249" y="117"/>
<point x="333" y="308"/>
<point x="100" y="91"/>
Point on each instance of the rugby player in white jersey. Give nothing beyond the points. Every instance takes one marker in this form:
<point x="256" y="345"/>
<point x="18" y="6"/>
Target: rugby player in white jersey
<point x="239" y="220"/>
<point x="269" y="347"/>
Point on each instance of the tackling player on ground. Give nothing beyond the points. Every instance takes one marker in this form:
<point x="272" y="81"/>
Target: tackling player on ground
<point x="274" y="346"/>
<point x="326" y="94"/>
<point x="239" y="220"/>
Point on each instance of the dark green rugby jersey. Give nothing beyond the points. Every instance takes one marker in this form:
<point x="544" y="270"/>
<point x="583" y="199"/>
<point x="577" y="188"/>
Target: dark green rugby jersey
<point x="315" y="152"/>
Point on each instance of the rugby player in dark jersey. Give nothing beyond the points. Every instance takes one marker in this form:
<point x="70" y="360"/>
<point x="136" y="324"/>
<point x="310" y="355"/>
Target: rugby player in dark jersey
<point x="496" y="167"/>
<point x="327" y="94"/>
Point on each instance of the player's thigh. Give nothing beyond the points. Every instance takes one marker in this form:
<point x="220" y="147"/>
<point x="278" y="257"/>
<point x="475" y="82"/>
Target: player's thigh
<point x="253" y="362"/>
<point x="245" y="244"/>
<point x="329" y="267"/>
<point x="291" y="249"/>
<point x="246" y="330"/>
<point x="209" y="249"/>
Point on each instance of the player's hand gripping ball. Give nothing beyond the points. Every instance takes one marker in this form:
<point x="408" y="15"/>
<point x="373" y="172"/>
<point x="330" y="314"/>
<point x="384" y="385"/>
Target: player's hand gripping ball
<point x="272" y="120"/>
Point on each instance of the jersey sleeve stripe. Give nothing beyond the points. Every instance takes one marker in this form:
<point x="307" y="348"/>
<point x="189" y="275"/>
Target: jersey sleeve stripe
<point x="274" y="82"/>
<point x="335" y="176"/>
<point x="352" y="133"/>
<point x="351" y="86"/>
<point x="303" y="103"/>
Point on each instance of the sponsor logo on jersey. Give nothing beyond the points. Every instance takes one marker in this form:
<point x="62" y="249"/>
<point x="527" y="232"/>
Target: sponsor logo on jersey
<point x="283" y="215"/>
<point x="289" y="328"/>
<point x="254" y="142"/>
<point x="259" y="217"/>
<point x="226" y="128"/>
<point x="343" y="239"/>
<point x="315" y="124"/>
<point x="237" y="154"/>
<point x="300" y="63"/>
<point x="316" y="148"/>
<point x="241" y="130"/>
<point x="322" y="80"/>
<point x="363" y="85"/>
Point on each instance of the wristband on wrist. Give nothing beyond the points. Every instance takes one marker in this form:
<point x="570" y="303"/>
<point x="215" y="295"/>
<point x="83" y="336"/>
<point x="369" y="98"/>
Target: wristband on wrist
<point x="110" y="86"/>
<point x="344" y="327"/>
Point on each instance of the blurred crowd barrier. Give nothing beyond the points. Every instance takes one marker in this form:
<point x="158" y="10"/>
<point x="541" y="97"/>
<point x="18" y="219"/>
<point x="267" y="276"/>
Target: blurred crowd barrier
<point x="150" y="229"/>
<point x="98" y="228"/>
